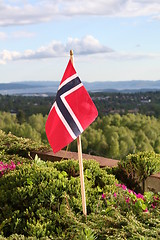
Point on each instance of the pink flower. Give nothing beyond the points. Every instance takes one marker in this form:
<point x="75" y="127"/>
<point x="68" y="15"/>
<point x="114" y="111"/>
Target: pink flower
<point x="130" y="191"/>
<point x="139" y="195"/>
<point x="152" y="205"/>
<point x="146" y="210"/>
<point x="4" y="167"/>
<point x="118" y="185"/>
<point x="115" y="195"/>
<point x="103" y="196"/>
<point x="135" y="194"/>
<point x="156" y="198"/>
<point x="127" y="200"/>
<point x="124" y="187"/>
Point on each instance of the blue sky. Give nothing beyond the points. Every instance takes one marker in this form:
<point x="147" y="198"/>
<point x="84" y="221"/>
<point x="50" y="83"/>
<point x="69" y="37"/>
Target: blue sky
<point x="113" y="40"/>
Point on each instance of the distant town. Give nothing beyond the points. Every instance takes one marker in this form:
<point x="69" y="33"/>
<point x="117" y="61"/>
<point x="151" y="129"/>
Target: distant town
<point x="147" y="103"/>
<point x="122" y="103"/>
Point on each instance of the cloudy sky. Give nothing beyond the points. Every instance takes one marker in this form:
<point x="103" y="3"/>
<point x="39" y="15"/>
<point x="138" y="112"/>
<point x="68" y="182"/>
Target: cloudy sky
<point x="112" y="39"/>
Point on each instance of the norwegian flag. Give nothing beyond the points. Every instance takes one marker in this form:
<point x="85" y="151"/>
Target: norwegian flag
<point x="72" y="112"/>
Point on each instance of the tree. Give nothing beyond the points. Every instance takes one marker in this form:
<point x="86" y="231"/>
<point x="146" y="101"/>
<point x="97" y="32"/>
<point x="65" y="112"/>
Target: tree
<point x="21" y="116"/>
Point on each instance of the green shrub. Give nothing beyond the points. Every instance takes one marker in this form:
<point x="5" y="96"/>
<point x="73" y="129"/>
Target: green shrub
<point x="32" y="196"/>
<point x="96" y="181"/>
<point x="21" y="237"/>
<point x="17" y="145"/>
<point x="7" y="158"/>
<point x="30" y="199"/>
<point x="43" y="201"/>
<point x="137" y="167"/>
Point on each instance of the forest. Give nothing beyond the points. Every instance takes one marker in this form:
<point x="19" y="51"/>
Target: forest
<point x="127" y="122"/>
<point x="112" y="136"/>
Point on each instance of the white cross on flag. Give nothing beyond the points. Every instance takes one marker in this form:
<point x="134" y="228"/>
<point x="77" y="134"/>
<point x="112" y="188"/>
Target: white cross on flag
<point x="72" y="112"/>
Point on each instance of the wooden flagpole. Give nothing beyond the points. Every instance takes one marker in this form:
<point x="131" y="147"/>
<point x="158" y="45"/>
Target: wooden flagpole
<point x="79" y="146"/>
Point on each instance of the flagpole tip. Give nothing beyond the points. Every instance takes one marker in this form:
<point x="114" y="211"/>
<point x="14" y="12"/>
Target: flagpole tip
<point x="71" y="57"/>
<point x="71" y="52"/>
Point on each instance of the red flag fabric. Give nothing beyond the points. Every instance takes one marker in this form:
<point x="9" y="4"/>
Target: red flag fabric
<point x="72" y="112"/>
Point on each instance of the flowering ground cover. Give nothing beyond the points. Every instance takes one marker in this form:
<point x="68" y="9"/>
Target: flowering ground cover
<point x="42" y="200"/>
<point x="132" y="201"/>
<point x="5" y="167"/>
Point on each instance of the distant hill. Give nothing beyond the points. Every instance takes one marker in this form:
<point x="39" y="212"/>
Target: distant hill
<point x="49" y="87"/>
<point x="29" y="88"/>
<point x="123" y="85"/>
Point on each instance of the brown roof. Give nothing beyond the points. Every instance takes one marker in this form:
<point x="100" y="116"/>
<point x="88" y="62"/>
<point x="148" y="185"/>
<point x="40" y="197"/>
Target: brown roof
<point x="156" y="175"/>
<point x="104" y="162"/>
<point x="63" y="155"/>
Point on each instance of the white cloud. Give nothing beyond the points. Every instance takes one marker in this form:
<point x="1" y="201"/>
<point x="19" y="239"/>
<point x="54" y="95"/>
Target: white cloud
<point x="90" y="7"/>
<point x="26" y="13"/>
<point x="113" y="8"/>
<point x="87" y="46"/>
<point x="6" y="56"/>
<point x="16" y="12"/>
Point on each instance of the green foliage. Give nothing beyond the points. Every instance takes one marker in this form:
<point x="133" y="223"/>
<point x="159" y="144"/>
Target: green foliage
<point x="13" y="158"/>
<point x="115" y="223"/>
<point x="30" y="202"/>
<point x="11" y="123"/>
<point x="16" y="145"/>
<point x="96" y="181"/>
<point x="21" y="116"/>
<point x="126" y="199"/>
<point x="112" y="136"/>
<point x="116" y="136"/>
<point x="42" y="200"/>
<point x="137" y="167"/>
<point x="26" y="105"/>
<point x="32" y="195"/>
<point x="86" y="234"/>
